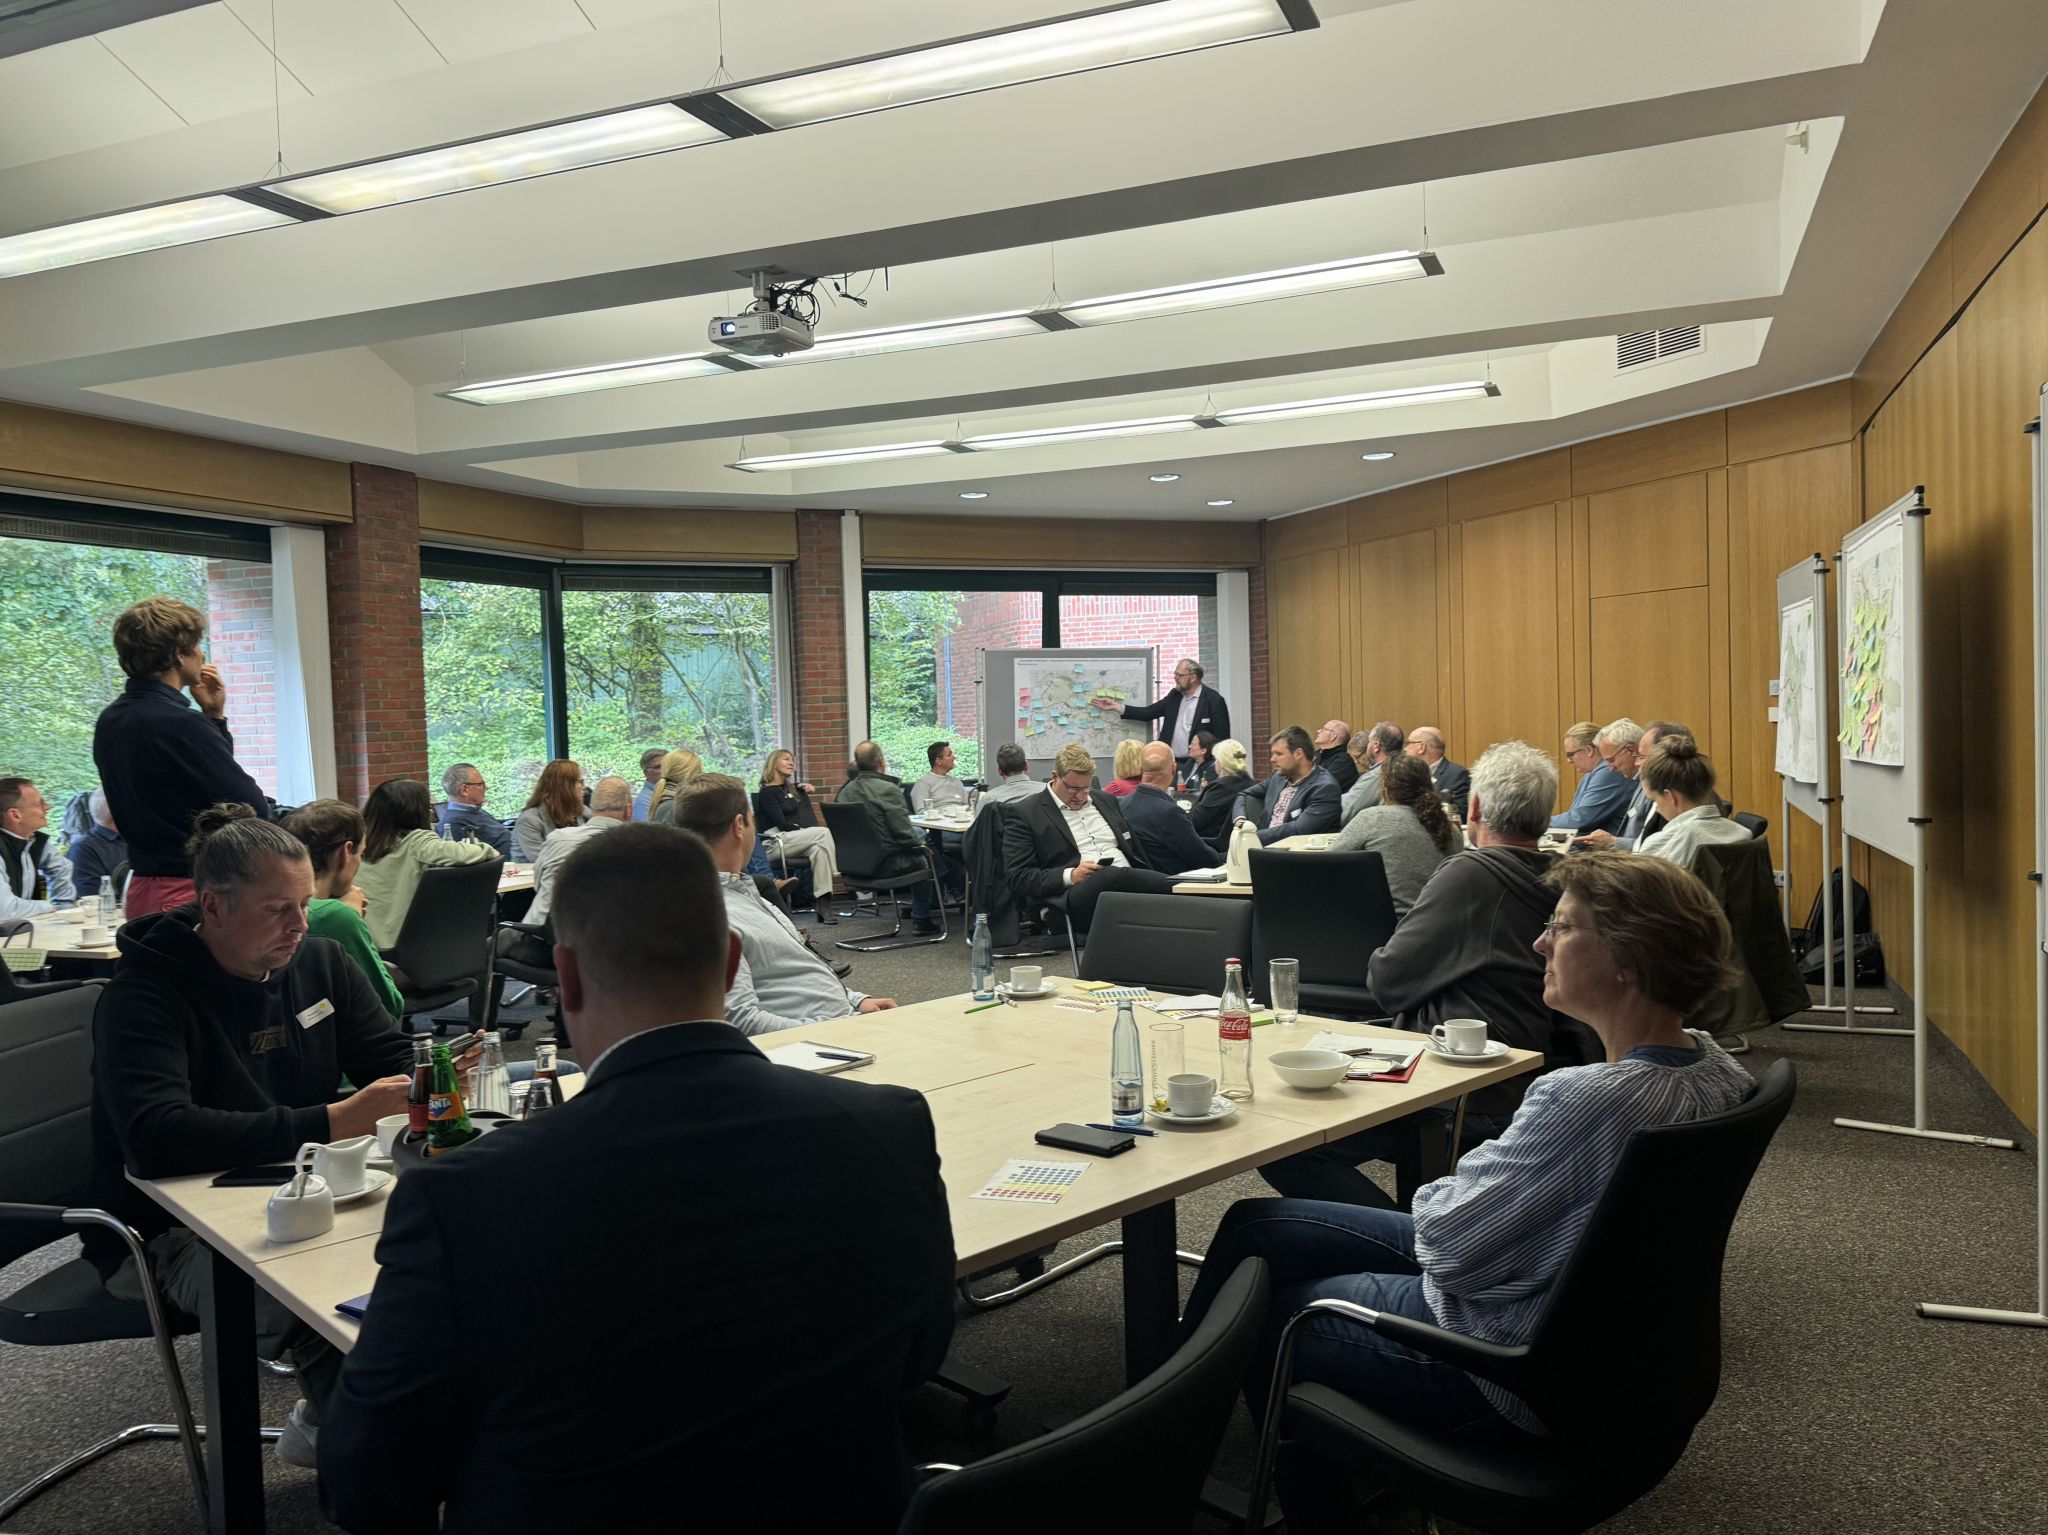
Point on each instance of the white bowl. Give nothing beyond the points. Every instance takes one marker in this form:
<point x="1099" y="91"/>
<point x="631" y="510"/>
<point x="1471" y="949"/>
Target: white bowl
<point x="1310" y="1068"/>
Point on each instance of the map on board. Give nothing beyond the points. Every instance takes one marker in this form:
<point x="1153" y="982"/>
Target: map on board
<point x="1798" y="699"/>
<point x="1874" y="648"/>
<point x="1055" y="699"/>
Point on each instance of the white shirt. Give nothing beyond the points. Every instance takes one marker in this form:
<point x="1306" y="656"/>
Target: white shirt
<point x="1090" y="832"/>
<point x="1184" y="726"/>
<point x="1684" y="834"/>
<point x="553" y="852"/>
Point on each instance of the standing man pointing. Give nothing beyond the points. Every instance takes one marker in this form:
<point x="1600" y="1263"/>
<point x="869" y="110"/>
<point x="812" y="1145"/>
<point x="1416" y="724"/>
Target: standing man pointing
<point x="1190" y="707"/>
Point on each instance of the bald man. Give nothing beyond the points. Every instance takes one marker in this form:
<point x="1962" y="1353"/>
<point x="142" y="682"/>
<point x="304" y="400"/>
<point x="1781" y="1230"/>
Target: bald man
<point x="1452" y="779"/>
<point x="1333" y="753"/>
<point x="1168" y="837"/>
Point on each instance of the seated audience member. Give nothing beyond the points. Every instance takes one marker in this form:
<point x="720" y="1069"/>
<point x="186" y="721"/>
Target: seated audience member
<point x="1409" y="829"/>
<point x="1464" y="950"/>
<point x="715" y="1276"/>
<point x="872" y="786"/>
<point x="938" y="788"/>
<point x="1452" y="781"/>
<point x="1679" y="778"/>
<point x="650" y="774"/>
<point x="1600" y="803"/>
<point x="1635" y="947"/>
<point x="1073" y="841"/>
<point x="1128" y="765"/>
<point x="781" y="982"/>
<point x="1371" y="750"/>
<point x="1014" y="781"/>
<point x="783" y="806"/>
<point x="34" y="876"/>
<point x="556" y="802"/>
<point x="1201" y="768"/>
<point x="1217" y="803"/>
<point x="1165" y="833"/>
<point x="333" y="834"/>
<point x="1642" y="818"/>
<point x="677" y="768"/>
<point x="1333" y="754"/>
<point x="463" y="814"/>
<point x="223" y="1041"/>
<point x="99" y="850"/>
<point x="611" y="806"/>
<point x="1301" y="799"/>
<point x="161" y="761"/>
<point x="399" y="842"/>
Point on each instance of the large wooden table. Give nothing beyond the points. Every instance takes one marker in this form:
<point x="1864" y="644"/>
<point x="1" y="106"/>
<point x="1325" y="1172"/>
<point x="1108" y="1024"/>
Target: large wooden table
<point x="992" y="1079"/>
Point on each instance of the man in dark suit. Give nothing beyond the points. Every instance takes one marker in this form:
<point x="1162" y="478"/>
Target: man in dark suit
<point x="1192" y="706"/>
<point x="1165" y="832"/>
<point x="677" y="1214"/>
<point x="1072" y="841"/>
<point x="1300" y="798"/>
<point x="1452" y="779"/>
<point x="1333" y="754"/>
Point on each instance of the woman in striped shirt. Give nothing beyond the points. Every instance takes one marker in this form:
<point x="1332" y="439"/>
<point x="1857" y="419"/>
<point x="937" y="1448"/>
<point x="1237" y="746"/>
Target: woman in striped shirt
<point x="1634" y="946"/>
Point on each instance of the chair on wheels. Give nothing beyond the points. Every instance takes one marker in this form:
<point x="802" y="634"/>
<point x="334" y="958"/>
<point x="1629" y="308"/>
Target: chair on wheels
<point x="1331" y="911"/>
<point x="1153" y="1443"/>
<point x="1166" y="942"/>
<point x="443" y="953"/>
<point x="45" y="1162"/>
<point x="1751" y="822"/>
<point x="533" y="974"/>
<point x="1619" y="1370"/>
<point x="861" y="855"/>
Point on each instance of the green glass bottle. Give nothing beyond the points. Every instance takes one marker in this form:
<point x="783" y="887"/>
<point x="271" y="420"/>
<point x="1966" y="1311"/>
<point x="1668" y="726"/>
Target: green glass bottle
<point x="448" y="1123"/>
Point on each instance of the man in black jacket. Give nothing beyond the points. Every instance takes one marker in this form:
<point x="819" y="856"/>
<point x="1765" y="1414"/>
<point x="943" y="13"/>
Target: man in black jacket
<point x="683" y="1206"/>
<point x="1333" y="754"/>
<point x="1164" y="831"/>
<point x="1191" y="707"/>
<point x="1072" y="841"/>
<point x="222" y="1042"/>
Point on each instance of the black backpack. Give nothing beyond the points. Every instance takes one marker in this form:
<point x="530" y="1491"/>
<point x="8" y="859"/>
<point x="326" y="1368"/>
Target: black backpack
<point x="1806" y="941"/>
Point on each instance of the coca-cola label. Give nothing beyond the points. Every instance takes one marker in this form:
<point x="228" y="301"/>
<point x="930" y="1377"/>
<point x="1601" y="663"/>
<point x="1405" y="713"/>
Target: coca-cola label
<point x="1234" y="1025"/>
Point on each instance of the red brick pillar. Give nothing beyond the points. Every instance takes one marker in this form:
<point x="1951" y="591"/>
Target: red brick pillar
<point x="817" y="600"/>
<point x="241" y="641"/>
<point x="373" y="615"/>
<point x="1262" y="692"/>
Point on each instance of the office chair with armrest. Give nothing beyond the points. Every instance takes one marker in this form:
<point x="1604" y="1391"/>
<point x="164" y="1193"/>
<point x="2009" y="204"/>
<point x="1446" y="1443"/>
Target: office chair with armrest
<point x="861" y="856"/>
<point x="1331" y="911"/>
<point x="534" y="974"/>
<point x="1751" y="822"/>
<point x="444" y="953"/>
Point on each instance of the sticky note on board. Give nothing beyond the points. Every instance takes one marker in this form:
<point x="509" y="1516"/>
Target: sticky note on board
<point x="1080" y="666"/>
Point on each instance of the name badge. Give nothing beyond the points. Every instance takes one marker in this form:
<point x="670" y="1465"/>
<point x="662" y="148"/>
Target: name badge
<point x="312" y="1015"/>
<point x="263" y="1041"/>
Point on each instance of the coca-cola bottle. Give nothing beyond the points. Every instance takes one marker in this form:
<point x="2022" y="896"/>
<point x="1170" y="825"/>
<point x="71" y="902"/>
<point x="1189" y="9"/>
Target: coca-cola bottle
<point x="1234" y="1035"/>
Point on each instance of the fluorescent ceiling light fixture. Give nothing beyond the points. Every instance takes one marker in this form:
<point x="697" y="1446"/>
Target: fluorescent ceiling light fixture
<point x="1222" y="503"/>
<point x="1150" y="426"/>
<point x="907" y="338"/>
<point x="1163" y="479"/>
<point x="506" y="157"/>
<point x="611" y="375"/>
<point x="1286" y="282"/>
<point x="1379" y="457"/>
<point x="973" y="495"/>
<point x="1337" y="404"/>
<point x="826" y="457"/>
<point x="1124" y="35"/>
<point x="125" y="234"/>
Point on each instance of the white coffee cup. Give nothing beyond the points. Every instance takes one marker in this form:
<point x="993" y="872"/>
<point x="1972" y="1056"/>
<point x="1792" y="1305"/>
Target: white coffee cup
<point x="1189" y="1094"/>
<point x="1027" y="978"/>
<point x="389" y="1129"/>
<point x="1461" y="1036"/>
<point x="344" y="1164"/>
<point x="95" y="937"/>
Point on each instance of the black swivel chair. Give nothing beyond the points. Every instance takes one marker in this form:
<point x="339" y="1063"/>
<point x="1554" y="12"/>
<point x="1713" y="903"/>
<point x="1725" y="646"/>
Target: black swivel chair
<point x="1751" y="822"/>
<point x="1622" y="1366"/>
<point x="443" y="952"/>
<point x="1331" y="911"/>
<point x="1139" y="1460"/>
<point x="12" y="990"/>
<point x="861" y="855"/>
<point x="1166" y="942"/>
<point x="533" y="974"/>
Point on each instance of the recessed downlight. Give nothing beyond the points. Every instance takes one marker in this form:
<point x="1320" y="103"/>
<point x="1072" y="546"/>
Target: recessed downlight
<point x="1164" y="479"/>
<point x="1379" y="457"/>
<point x="973" y="495"/>
<point x="1222" y="503"/>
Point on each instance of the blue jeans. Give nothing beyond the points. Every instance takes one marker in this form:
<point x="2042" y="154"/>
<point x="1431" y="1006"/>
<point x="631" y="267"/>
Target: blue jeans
<point x="1331" y="1171"/>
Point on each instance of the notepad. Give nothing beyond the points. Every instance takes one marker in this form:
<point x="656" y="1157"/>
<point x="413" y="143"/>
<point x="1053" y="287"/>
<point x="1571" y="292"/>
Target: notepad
<point x="819" y="1058"/>
<point x="1372" y="1060"/>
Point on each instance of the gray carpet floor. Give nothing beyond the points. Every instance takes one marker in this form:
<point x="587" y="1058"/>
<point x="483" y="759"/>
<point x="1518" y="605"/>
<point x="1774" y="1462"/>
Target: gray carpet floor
<point x="1840" y="1411"/>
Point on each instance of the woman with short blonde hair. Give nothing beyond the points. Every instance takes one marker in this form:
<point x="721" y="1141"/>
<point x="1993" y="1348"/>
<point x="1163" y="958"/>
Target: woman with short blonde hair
<point x="1212" y="808"/>
<point x="1129" y="766"/>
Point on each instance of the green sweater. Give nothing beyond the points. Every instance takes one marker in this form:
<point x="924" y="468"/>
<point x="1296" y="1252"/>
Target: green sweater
<point x="341" y="922"/>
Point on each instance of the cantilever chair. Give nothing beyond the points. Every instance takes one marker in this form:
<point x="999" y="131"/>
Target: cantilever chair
<point x="861" y="854"/>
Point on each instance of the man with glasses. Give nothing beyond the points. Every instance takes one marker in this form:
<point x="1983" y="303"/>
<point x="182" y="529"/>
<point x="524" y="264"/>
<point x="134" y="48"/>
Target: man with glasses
<point x="1190" y="708"/>
<point x="1643" y="818"/>
<point x="464" y="814"/>
<point x="1606" y="760"/>
<point x="1072" y="841"/>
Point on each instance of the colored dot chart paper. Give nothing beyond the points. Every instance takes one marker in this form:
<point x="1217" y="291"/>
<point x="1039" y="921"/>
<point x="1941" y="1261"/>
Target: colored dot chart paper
<point x="1032" y="1183"/>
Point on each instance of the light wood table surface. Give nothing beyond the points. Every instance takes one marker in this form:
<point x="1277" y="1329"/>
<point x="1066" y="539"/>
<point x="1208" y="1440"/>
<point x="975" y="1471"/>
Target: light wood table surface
<point x="59" y="934"/>
<point x="517" y="876"/>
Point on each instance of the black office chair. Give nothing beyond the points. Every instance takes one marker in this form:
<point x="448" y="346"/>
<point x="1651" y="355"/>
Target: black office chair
<point x="1331" y="911"/>
<point x="990" y="895"/>
<point x="1166" y="942"/>
<point x="45" y="1163"/>
<point x="1622" y="1365"/>
<point x="534" y="974"/>
<point x="1139" y="1460"/>
<point x="861" y="857"/>
<point x="443" y="953"/>
<point x="1751" y="822"/>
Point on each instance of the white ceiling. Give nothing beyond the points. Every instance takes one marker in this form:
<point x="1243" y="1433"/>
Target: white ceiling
<point x="1583" y="167"/>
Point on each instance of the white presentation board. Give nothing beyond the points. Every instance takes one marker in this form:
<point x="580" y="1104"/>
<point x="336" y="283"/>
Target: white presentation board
<point x="1045" y="699"/>
<point x="1804" y="755"/>
<point x="1880" y="672"/>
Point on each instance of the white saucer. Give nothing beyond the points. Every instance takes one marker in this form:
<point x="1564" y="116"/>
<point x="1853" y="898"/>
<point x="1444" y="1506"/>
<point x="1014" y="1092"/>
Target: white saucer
<point x="1220" y="1107"/>
<point x="1046" y="988"/>
<point x="1494" y="1051"/>
<point x="373" y="1180"/>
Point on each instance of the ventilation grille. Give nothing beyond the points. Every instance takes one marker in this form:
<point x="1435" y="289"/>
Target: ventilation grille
<point x="1638" y="349"/>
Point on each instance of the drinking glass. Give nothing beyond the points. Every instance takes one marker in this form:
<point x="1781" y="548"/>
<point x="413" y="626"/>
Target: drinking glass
<point x="1166" y="1052"/>
<point x="1283" y="983"/>
<point x="110" y="905"/>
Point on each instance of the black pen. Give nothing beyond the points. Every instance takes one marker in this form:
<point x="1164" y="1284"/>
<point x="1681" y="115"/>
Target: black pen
<point x="1123" y="1129"/>
<point x="839" y="1055"/>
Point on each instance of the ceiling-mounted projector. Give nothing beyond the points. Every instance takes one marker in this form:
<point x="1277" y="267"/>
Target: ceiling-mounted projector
<point x="761" y="333"/>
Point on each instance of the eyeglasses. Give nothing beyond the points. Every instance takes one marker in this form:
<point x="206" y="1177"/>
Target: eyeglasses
<point x="1553" y="927"/>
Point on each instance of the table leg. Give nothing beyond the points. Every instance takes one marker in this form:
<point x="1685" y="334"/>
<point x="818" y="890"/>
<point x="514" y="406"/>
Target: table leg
<point x="234" y="1448"/>
<point x="1151" y="1290"/>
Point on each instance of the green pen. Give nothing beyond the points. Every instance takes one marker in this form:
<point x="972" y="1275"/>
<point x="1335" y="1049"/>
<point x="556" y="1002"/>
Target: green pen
<point x="986" y="1006"/>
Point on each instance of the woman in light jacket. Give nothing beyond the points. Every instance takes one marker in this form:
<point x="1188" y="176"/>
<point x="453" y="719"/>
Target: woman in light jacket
<point x="556" y="801"/>
<point x="1408" y="828"/>
<point x="1679" y="778"/>
<point x="399" y="842"/>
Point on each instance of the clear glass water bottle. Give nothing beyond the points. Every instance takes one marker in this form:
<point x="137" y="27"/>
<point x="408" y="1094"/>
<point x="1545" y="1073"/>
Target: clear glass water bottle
<point x="1126" y="1070"/>
<point x="1234" y="1035"/>
<point x="110" y="906"/>
<point x="981" y="961"/>
<point x="491" y="1087"/>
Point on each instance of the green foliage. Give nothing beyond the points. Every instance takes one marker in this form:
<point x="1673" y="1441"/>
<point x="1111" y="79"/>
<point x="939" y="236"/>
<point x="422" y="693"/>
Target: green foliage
<point x="904" y="634"/>
<point x="484" y="671"/>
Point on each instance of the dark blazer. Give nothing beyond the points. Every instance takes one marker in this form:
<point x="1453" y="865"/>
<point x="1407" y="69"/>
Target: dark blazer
<point x="678" y="1213"/>
<point x="1454" y="783"/>
<point x="1211" y="714"/>
<point x="1166" y="832"/>
<point x="784" y="807"/>
<point x="1038" y="849"/>
<point x="1317" y="806"/>
<point x="162" y="762"/>
<point x="1340" y="765"/>
<point x="1211" y="814"/>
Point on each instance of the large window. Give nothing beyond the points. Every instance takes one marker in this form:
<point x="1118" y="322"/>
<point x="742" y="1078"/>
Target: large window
<point x="1174" y="624"/>
<point x="484" y="643"/>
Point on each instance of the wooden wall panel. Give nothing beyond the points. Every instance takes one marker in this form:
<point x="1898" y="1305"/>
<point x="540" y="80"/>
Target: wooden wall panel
<point x="1306" y="533"/>
<point x="1305" y="599"/>
<point x="1787" y="423"/>
<point x="676" y="533"/>
<point x="1649" y="538"/>
<point x="1653" y="453"/>
<point x="1398" y="631"/>
<point x="1100" y="543"/>
<point x="1394" y="512"/>
<point x="1650" y="657"/>
<point x="1509" y="683"/>
<point x="1518" y="482"/>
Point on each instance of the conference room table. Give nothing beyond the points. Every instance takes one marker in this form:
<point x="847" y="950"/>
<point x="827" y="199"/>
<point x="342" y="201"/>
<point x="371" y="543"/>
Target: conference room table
<point x="992" y="1076"/>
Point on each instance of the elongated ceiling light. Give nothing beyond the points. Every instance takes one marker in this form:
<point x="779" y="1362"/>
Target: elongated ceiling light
<point x="1337" y="404"/>
<point x="140" y="229"/>
<point x="907" y="338"/>
<point x="826" y="457"/>
<point x="1287" y="282"/>
<point x="1150" y="426"/>
<point x="611" y="375"/>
